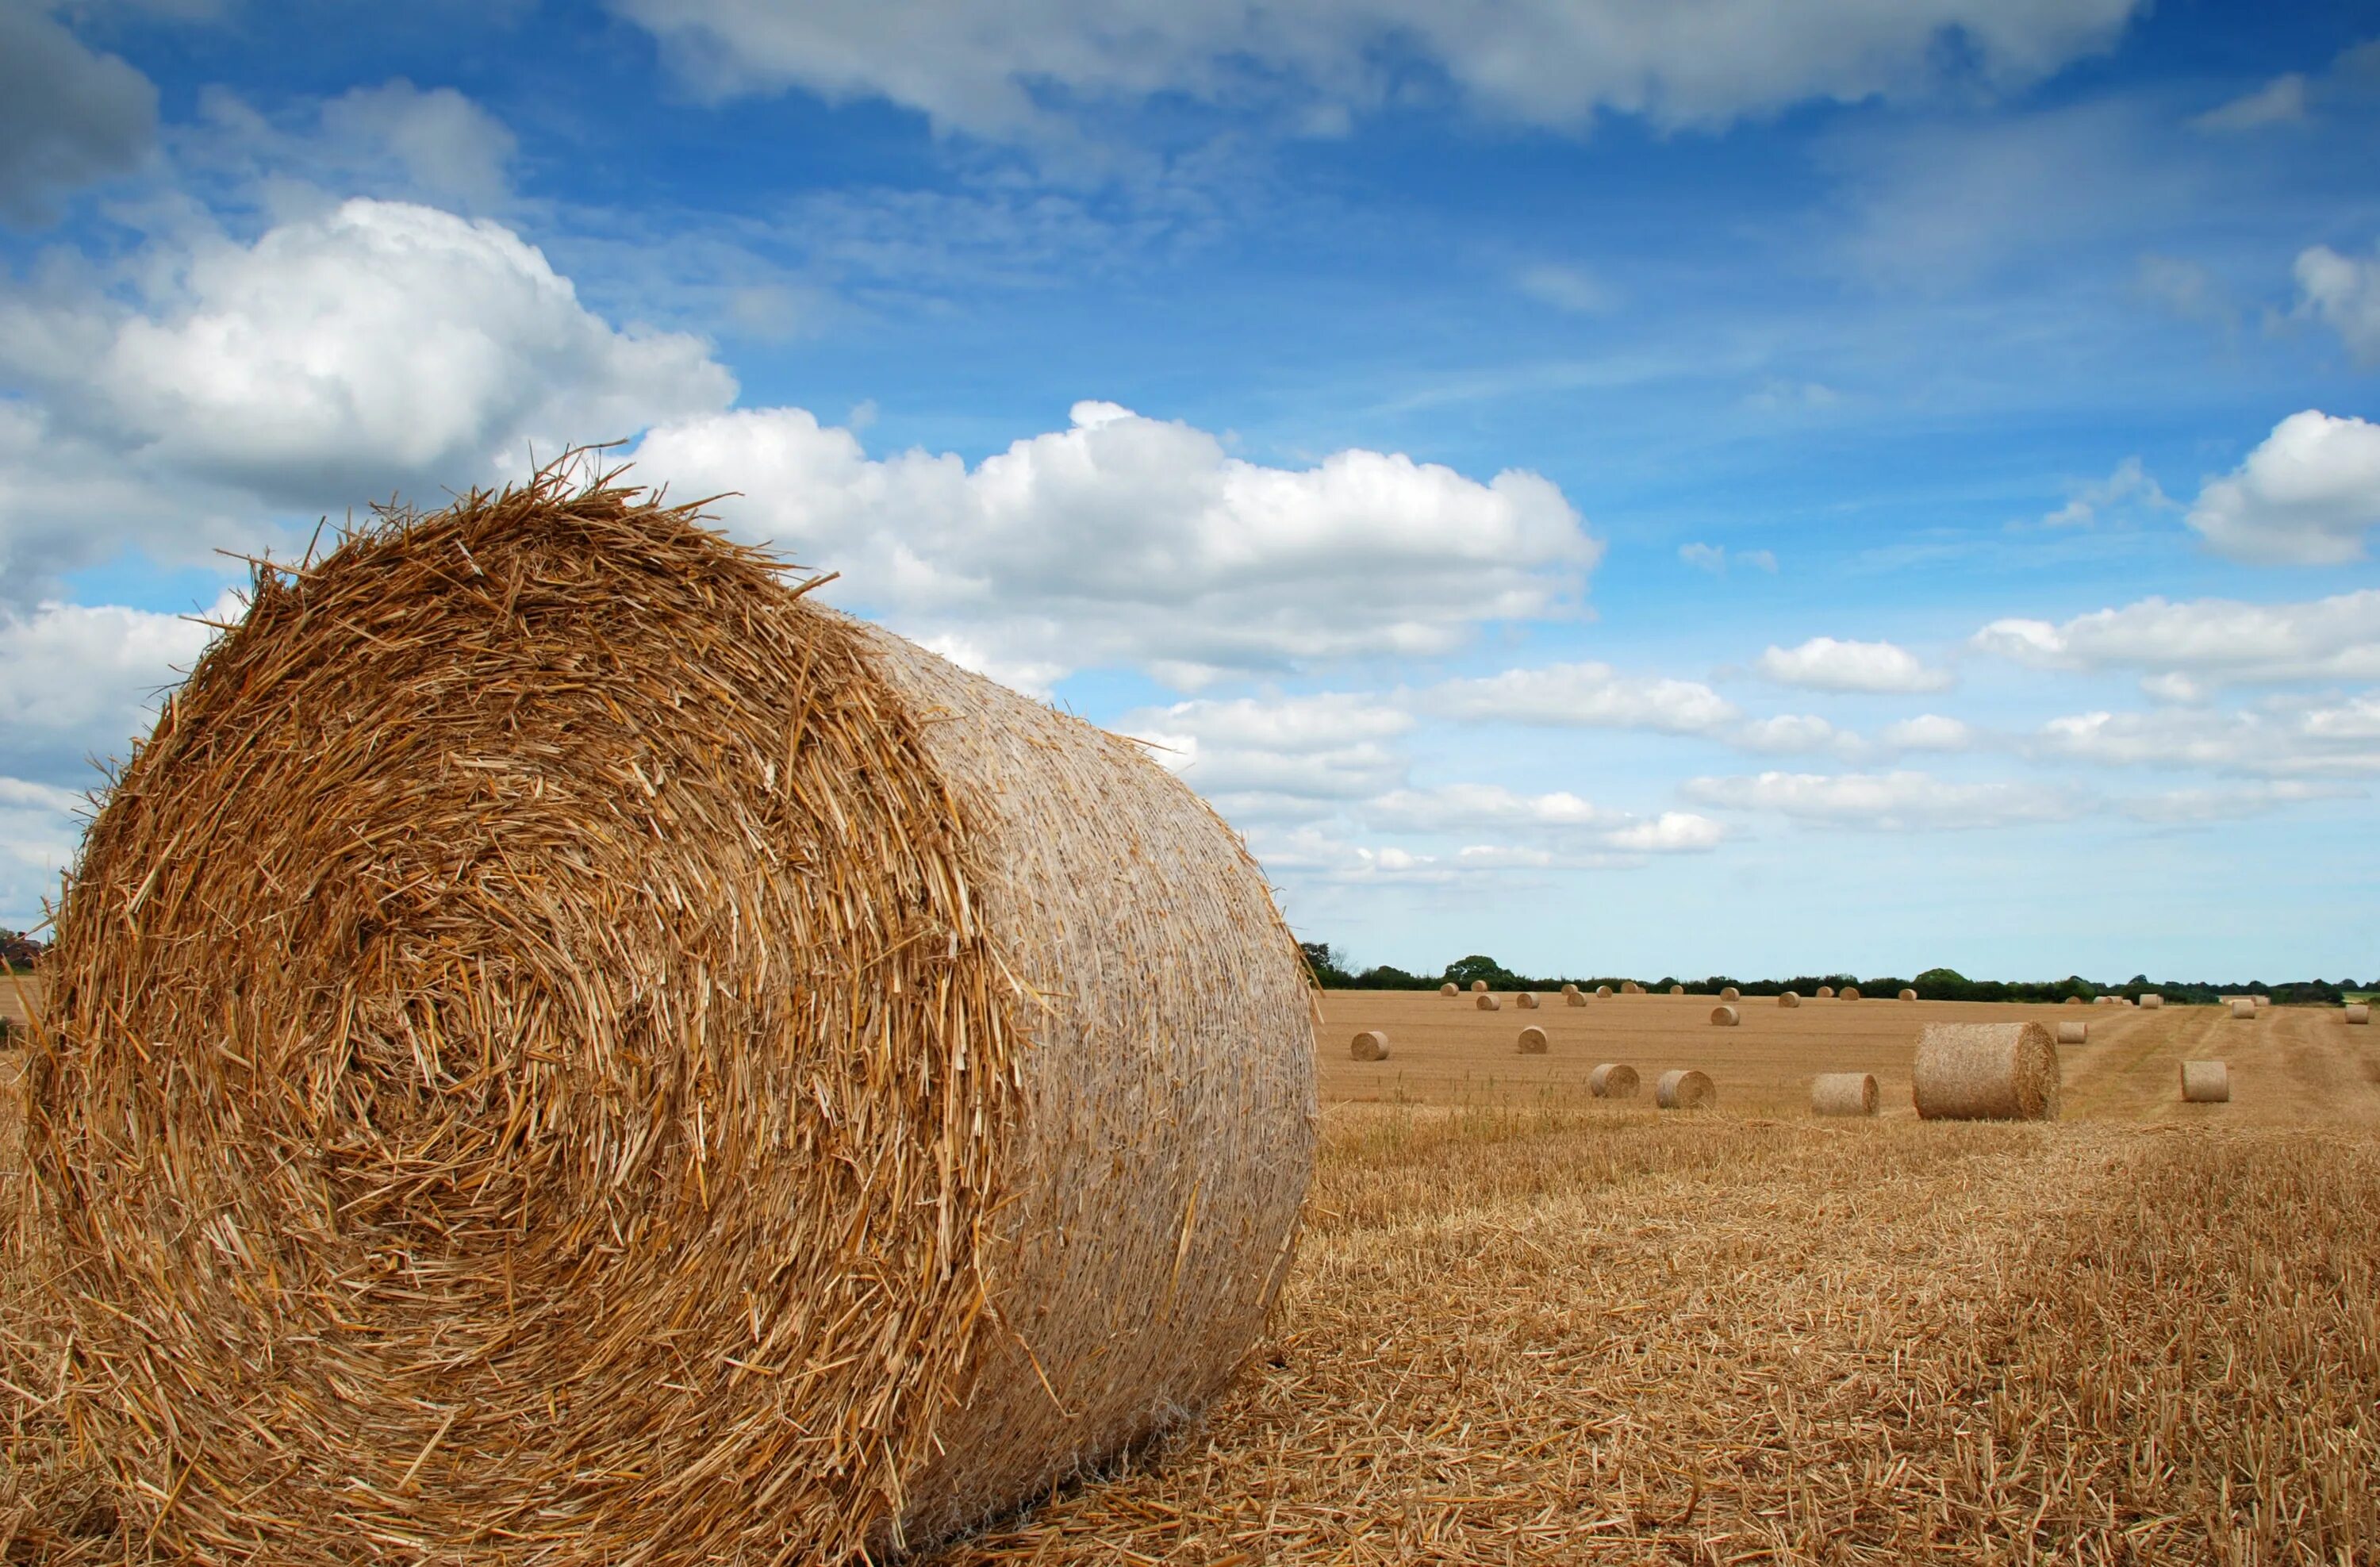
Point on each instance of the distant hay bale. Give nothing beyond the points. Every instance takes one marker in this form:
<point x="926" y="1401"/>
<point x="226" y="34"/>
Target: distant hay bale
<point x="1985" y="1071"/>
<point x="1570" y="990"/>
<point x="1826" y="992"/>
<point x="1725" y="1016"/>
<point x="2073" y="1033"/>
<point x="2359" y="1012"/>
<point x="1450" y="988"/>
<point x="1677" y="990"/>
<point x="610" y="1065"/>
<point x="2262" y="1001"/>
<point x="1604" y="991"/>
<point x="2243" y="1007"/>
<point x="2074" y="1000"/>
<point x="1574" y="998"/>
<point x="1630" y="988"/>
<point x="1849" y="993"/>
<point x="1372" y="1044"/>
<point x="2151" y="999"/>
<point x="1684" y="1090"/>
<point x="1843" y="1093"/>
<point x="1526" y="1000"/>
<point x="1487" y="1003"/>
<point x="1909" y="995"/>
<point x="1727" y="992"/>
<point x="2206" y="1082"/>
<point x="1479" y="986"/>
<point x="1533" y="1040"/>
<point x="1612" y="1080"/>
<point x="1789" y="998"/>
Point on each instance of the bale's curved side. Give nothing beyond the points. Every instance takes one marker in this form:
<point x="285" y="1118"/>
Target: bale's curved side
<point x="1727" y="992"/>
<point x="2206" y="1082"/>
<point x="1684" y="1090"/>
<point x="1371" y="1044"/>
<point x="1677" y="990"/>
<point x="1612" y="1080"/>
<point x="1526" y="1000"/>
<point x="1843" y="1093"/>
<point x="1570" y="990"/>
<point x="1575" y="998"/>
<point x="2151" y="999"/>
<point x="2359" y="1012"/>
<point x="1985" y="1071"/>
<point x="1604" y="991"/>
<point x="1725" y="1016"/>
<point x="1630" y="988"/>
<point x="1909" y="995"/>
<point x="1449" y="989"/>
<point x="1789" y="998"/>
<point x="2073" y="1033"/>
<point x="1826" y="992"/>
<point x="1533" y="1040"/>
<point x="557" y="1035"/>
<point x="1487" y="1003"/>
<point x="1479" y="986"/>
<point x="2243" y="1007"/>
<point x="1849" y="994"/>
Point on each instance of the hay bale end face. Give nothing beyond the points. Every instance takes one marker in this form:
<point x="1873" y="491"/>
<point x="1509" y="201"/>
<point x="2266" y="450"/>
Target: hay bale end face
<point x="1533" y="1040"/>
<point x="1684" y="1090"/>
<point x="1372" y="1044"/>
<point x="1487" y="1003"/>
<point x="2073" y="1033"/>
<point x="2151" y="999"/>
<point x="647" y="1036"/>
<point x="1574" y="999"/>
<point x="1479" y="986"/>
<point x="1603" y="991"/>
<point x="2243" y="1007"/>
<point x="2206" y="1082"/>
<point x="1570" y="990"/>
<point x="1449" y="989"/>
<point x="1727" y="992"/>
<point x="1725" y="1017"/>
<point x="1526" y="1000"/>
<point x="1612" y="1080"/>
<point x="1843" y="1093"/>
<point x="2359" y="1012"/>
<point x="1677" y="990"/>
<point x="1788" y="998"/>
<point x="1849" y="993"/>
<point x="1909" y="995"/>
<point x="1826" y="992"/>
<point x="1985" y="1071"/>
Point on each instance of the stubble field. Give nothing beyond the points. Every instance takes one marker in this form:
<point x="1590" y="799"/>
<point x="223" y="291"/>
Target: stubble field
<point x="1529" y="1327"/>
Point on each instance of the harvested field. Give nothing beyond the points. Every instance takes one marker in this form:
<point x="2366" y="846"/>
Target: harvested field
<point x="1529" y="1327"/>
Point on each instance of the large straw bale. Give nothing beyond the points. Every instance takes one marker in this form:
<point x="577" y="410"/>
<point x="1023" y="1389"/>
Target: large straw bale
<point x="1826" y="992"/>
<point x="1450" y="988"/>
<point x="2074" y="1000"/>
<point x="1909" y="995"/>
<point x="1575" y="998"/>
<point x="2359" y="1012"/>
<point x="2073" y="1033"/>
<point x="1684" y="1090"/>
<point x="1487" y="1003"/>
<point x="1570" y="990"/>
<point x="2262" y="1001"/>
<point x="2151" y="1001"/>
<point x="1677" y="990"/>
<point x="1533" y="1040"/>
<point x="2206" y="1082"/>
<point x="1843" y="1093"/>
<point x="1727" y="992"/>
<point x="1526" y="1000"/>
<point x="1789" y="998"/>
<point x="2243" y="1007"/>
<point x="1479" y="986"/>
<point x="1603" y="991"/>
<point x="1985" y="1071"/>
<point x="1612" y="1080"/>
<point x="561" y="1049"/>
<point x="1630" y="988"/>
<point x="1372" y="1044"/>
<point x="1725" y="1016"/>
<point x="1849" y="993"/>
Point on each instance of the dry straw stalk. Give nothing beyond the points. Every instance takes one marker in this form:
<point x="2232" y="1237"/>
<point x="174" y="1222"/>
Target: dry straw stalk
<point x="1986" y="1072"/>
<point x="1612" y="1080"/>
<point x="1684" y="1090"/>
<point x="2206" y="1082"/>
<point x="559" y="1048"/>
<point x="1843" y="1093"/>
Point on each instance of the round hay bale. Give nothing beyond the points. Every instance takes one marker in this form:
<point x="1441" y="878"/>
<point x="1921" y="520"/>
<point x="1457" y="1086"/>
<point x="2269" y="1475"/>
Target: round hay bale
<point x="1909" y="995"/>
<point x="2243" y="1007"/>
<point x="1630" y="988"/>
<point x="1450" y="988"/>
<point x="1612" y="1080"/>
<point x="2206" y="1082"/>
<point x="1788" y="998"/>
<point x="1725" y="1016"/>
<point x="1826" y="992"/>
<point x="1487" y="1003"/>
<point x="1533" y="1040"/>
<point x="1575" y="998"/>
<point x="2073" y="1033"/>
<point x="2262" y="1001"/>
<point x="1526" y="1000"/>
<point x="2151" y="999"/>
<point x="2359" y="1012"/>
<point x="1603" y="991"/>
<point x="1727" y="992"/>
<point x="1570" y="990"/>
<point x="1372" y="1044"/>
<point x="1684" y="1090"/>
<point x="1479" y="986"/>
<point x="1849" y="993"/>
<point x="1985" y="1071"/>
<point x="2074" y="1000"/>
<point x="1677" y="990"/>
<point x="1843" y="1093"/>
<point x="561" y="1046"/>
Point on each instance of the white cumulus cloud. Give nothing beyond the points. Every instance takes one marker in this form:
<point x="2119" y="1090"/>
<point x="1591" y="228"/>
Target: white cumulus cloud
<point x="2281" y="101"/>
<point x="2305" y="497"/>
<point x="1900" y="801"/>
<point x="2210" y="639"/>
<point x="1254" y="756"/>
<point x="1587" y="695"/>
<point x="1826" y="665"/>
<point x="82" y="681"/>
<point x="2343" y="292"/>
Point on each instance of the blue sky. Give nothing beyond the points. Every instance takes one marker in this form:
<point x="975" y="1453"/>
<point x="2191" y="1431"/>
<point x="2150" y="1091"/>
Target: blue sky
<point x="1689" y="488"/>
